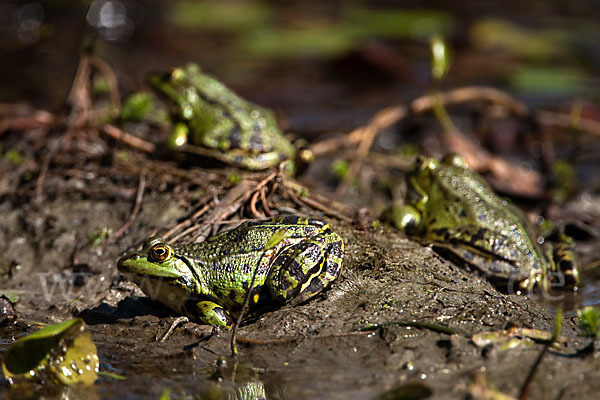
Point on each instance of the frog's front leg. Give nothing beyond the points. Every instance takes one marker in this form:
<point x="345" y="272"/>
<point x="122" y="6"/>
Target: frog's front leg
<point x="305" y="269"/>
<point x="209" y="313"/>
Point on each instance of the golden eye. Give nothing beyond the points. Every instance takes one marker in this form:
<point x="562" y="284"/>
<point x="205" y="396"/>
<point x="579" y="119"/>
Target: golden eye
<point x="159" y="252"/>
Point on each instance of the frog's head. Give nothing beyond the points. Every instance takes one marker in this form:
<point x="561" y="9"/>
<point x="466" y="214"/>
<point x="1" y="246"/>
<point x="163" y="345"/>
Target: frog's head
<point x="180" y="85"/>
<point x="159" y="272"/>
<point x="425" y="196"/>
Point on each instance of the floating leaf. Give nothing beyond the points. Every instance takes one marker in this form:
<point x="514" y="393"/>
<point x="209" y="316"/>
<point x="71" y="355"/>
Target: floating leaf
<point x="62" y="353"/>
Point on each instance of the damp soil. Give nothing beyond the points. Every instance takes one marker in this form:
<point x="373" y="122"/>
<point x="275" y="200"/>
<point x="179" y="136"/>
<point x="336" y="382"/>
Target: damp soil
<point x="400" y="317"/>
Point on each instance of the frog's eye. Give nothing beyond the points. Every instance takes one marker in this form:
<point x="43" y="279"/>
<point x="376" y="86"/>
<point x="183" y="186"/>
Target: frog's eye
<point x="160" y="252"/>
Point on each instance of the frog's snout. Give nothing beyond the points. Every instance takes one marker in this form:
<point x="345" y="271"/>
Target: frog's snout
<point x="121" y="264"/>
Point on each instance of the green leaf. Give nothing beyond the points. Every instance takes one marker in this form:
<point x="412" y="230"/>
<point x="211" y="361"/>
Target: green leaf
<point x="63" y="353"/>
<point x="276" y="238"/>
<point x="548" y="80"/>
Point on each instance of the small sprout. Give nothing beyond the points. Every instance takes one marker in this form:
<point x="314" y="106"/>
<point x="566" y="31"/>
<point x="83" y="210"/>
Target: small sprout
<point x="14" y="156"/>
<point x="234" y="178"/>
<point x="137" y="107"/>
<point x="123" y="155"/>
<point x="340" y="168"/>
<point x="566" y="183"/>
<point x="589" y="321"/>
<point x="100" y="85"/>
<point x="99" y="235"/>
<point x="166" y="394"/>
<point x="440" y="58"/>
<point x="302" y="192"/>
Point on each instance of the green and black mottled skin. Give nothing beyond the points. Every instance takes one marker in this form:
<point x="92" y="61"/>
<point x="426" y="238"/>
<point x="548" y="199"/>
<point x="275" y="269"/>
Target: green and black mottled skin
<point x="208" y="281"/>
<point x="455" y="209"/>
<point x="239" y="132"/>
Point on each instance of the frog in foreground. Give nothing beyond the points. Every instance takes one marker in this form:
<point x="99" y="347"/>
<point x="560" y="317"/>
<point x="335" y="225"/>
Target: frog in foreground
<point x="208" y="281"/>
<point x="224" y="126"/>
<point x="455" y="209"/>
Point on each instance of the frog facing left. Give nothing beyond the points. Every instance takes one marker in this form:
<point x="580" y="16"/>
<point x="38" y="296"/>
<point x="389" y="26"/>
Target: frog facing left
<point x="457" y="211"/>
<point x="210" y="115"/>
<point x="208" y="282"/>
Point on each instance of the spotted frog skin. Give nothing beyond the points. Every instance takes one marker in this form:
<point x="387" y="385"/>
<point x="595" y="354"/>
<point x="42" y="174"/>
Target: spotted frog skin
<point x="212" y="116"/>
<point x="208" y="281"/>
<point x="455" y="209"/>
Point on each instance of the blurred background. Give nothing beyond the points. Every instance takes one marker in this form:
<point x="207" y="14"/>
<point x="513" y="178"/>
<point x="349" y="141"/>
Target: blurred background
<point x="325" y="66"/>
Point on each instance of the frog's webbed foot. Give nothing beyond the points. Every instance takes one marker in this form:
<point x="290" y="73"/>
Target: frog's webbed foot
<point x="209" y="313"/>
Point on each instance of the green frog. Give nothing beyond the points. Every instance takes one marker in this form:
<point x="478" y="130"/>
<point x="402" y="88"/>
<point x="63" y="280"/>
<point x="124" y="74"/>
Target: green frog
<point x="457" y="211"/>
<point x="208" y="282"/>
<point x="219" y="123"/>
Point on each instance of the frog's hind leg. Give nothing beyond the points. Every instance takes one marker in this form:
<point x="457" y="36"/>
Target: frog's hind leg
<point x="304" y="270"/>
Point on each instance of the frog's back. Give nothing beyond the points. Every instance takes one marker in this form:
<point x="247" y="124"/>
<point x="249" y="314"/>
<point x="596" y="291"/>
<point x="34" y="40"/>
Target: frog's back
<point x="230" y="258"/>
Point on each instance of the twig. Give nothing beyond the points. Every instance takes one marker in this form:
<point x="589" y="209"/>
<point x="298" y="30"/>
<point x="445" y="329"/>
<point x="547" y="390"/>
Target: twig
<point x="555" y="335"/>
<point x="111" y="79"/>
<point x="135" y="211"/>
<point x="253" y="209"/>
<point x="470" y="93"/>
<point x="129" y="139"/>
<point x="383" y="119"/>
<point x="289" y="190"/>
<point x="39" y="183"/>
<point x="188" y="221"/>
<point x="265" y="203"/>
<point x="39" y="118"/>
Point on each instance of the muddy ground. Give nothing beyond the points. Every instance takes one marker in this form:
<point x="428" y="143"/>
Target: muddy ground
<point x="359" y="340"/>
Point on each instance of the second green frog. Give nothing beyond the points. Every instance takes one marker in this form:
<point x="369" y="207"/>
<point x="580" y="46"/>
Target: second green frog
<point x="225" y="126"/>
<point x="457" y="211"/>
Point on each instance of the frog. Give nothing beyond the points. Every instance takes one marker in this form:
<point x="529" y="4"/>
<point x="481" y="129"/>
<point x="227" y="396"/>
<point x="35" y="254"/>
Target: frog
<point x="211" y="120"/>
<point x="208" y="282"/>
<point x="455" y="210"/>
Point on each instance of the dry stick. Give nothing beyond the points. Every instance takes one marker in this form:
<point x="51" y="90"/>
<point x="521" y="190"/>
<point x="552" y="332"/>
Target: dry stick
<point x="39" y="183"/>
<point x="135" y="211"/>
<point x="253" y="209"/>
<point x="111" y="79"/>
<point x="232" y="202"/>
<point x="189" y="220"/>
<point x="79" y="97"/>
<point x="469" y="93"/>
<point x="265" y="203"/>
<point x="465" y="94"/>
<point x="558" y="318"/>
<point x="129" y="139"/>
<point x="305" y="201"/>
<point x="39" y="118"/>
